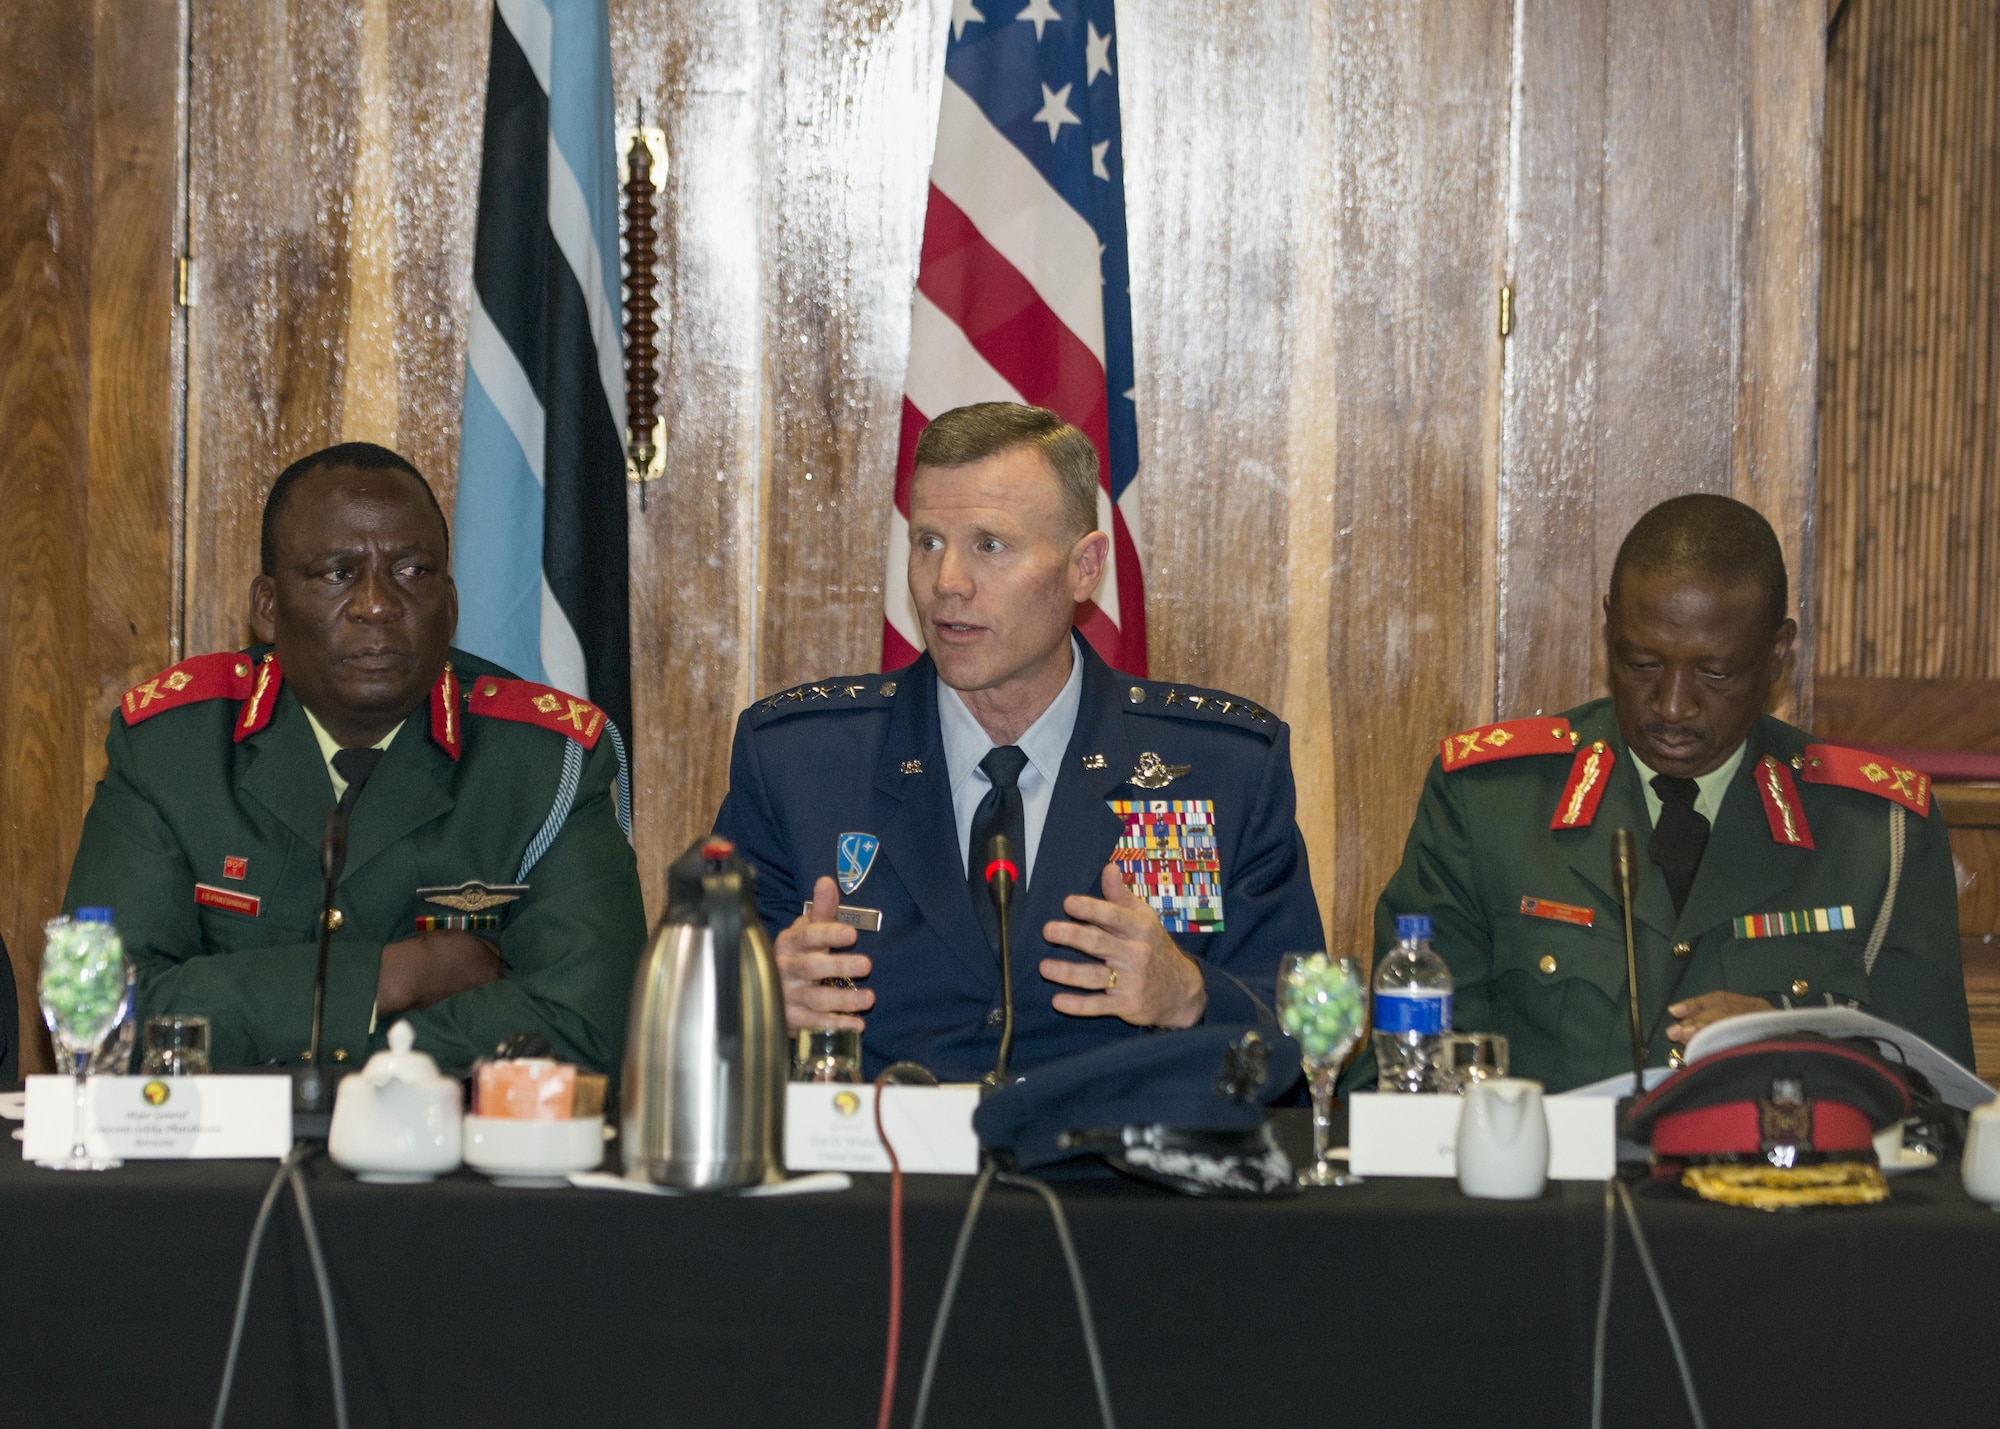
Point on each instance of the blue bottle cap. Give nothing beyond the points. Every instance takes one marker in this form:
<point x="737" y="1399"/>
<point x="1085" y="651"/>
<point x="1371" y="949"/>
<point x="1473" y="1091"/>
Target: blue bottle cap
<point x="1412" y="925"/>
<point x="93" y="915"/>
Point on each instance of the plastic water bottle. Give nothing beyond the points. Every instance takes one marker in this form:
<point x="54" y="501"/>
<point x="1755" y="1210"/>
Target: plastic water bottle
<point x="1412" y="988"/>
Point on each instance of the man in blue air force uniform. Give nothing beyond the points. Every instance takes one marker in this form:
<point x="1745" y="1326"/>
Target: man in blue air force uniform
<point x="868" y="802"/>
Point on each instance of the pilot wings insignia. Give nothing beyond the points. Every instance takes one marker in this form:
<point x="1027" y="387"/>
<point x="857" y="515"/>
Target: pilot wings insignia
<point x="472" y="896"/>
<point x="1155" y="773"/>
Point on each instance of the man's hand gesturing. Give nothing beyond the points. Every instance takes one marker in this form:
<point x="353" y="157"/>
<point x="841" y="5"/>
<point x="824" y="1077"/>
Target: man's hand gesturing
<point x="806" y="958"/>
<point x="1140" y="975"/>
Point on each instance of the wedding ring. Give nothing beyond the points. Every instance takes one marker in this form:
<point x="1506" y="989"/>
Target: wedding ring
<point x="1112" y="986"/>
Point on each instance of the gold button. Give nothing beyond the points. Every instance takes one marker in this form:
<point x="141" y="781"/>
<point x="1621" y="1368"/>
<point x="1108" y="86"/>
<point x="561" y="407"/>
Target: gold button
<point x="334" y="920"/>
<point x="1675" y="1057"/>
<point x="1683" y="950"/>
<point x="887" y="689"/>
<point x="1137" y="694"/>
<point x="340" y="1054"/>
<point x="1548" y="963"/>
<point x="490" y="691"/>
<point x="1800" y="987"/>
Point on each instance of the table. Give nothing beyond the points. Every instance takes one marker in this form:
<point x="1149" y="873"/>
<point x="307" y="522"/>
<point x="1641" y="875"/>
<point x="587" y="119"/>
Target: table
<point x="1393" y="1303"/>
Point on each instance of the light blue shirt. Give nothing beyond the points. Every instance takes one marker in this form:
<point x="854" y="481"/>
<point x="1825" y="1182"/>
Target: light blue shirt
<point x="1046" y="741"/>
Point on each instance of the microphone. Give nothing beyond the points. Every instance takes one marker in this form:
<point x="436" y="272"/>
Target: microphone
<point x="1001" y="876"/>
<point x="312" y="1088"/>
<point x="1625" y="879"/>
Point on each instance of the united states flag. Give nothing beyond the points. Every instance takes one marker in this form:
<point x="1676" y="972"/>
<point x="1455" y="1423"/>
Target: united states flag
<point x="1022" y="290"/>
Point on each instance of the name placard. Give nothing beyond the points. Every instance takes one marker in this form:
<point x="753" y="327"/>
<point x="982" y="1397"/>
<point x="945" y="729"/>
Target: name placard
<point x="162" y="1118"/>
<point x="1405" y="1134"/>
<point x="831" y="1127"/>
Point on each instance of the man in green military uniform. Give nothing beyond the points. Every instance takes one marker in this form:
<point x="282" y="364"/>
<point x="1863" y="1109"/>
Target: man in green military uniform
<point x="1773" y="871"/>
<point x="489" y="884"/>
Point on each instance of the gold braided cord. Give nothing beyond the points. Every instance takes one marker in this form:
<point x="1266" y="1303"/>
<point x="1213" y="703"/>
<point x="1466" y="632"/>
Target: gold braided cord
<point x="1771" y="1188"/>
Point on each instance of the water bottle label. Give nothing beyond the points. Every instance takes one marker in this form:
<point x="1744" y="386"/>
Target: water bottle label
<point x="1428" y="1013"/>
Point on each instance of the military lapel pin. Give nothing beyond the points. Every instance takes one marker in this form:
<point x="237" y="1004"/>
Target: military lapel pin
<point x="472" y="896"/>
<point x="1155" y="773"/>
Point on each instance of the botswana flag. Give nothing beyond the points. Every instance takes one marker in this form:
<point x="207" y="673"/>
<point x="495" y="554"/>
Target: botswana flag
<point x="539" y="525"/>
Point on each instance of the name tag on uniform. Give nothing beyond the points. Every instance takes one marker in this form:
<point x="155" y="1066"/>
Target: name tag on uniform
<point x="868" y="920"/>
<point x="209" y="896"/>
<point x="1561" y="912"/>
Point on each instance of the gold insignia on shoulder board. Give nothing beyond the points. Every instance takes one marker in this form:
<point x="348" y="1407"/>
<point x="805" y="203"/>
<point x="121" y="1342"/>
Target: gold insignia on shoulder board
<point x="546" y="703"/>
<point x="472" y="896"/>
<point x="853" y="692"/>
<point x="178" y="681"/>
<point x="1155" y="773"/>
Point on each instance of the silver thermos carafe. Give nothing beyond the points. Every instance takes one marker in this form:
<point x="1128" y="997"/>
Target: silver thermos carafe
<point x="707" y="1058"/>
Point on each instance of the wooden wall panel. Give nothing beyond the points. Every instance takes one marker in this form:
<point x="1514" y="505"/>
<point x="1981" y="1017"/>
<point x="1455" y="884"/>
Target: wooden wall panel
<point x="1419" y="145"/>
<point x="1909" y="577"/>
<point x="87" y="183"/>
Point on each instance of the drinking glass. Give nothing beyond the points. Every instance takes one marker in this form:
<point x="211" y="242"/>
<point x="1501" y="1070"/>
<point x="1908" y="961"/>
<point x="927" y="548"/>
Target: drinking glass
<point x="86" y="996"/>
<point x="827" y="1054"/>
<point x="176" y="1045"/>
<point x="1321" y="1005"/>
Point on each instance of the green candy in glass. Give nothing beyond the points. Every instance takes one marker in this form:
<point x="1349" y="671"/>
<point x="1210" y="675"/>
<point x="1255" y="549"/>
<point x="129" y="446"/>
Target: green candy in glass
<point x="1322" y="1005"/>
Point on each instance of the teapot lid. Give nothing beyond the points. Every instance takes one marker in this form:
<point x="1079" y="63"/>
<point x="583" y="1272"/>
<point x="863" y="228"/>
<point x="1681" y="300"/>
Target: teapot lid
<point x="402" y="1062"/>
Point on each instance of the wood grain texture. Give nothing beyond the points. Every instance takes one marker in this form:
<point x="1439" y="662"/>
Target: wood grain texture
<point x="1909" y="571"/>
<point x="1918" y="714"/>
<point x="46" y="107"/>
<point x="1420" y="103"/>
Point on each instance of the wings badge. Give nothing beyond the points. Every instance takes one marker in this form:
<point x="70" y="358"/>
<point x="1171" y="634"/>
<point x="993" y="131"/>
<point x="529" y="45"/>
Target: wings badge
<point x="855" y="855"/>
<point x="472" y="896"/>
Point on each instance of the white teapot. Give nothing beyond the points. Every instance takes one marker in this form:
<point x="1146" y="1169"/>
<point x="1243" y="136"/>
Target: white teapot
<point x="396" y="1121"/>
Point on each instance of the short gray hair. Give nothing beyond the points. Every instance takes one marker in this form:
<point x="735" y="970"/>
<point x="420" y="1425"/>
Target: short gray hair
<point x="965" y="435"/>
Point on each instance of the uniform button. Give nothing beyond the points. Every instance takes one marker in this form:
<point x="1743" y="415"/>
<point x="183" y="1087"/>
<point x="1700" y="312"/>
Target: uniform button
<point x="1548" y="963"/>
<point x="334" y="920"/>
<point x="1137" y="694"/>
<point x="995" y="1018"/>
<point x="340" y="1054"/>
<point x="1676" y="1058"/>
<point x="1800" y="987"/>
<point x="1683" y="950"/>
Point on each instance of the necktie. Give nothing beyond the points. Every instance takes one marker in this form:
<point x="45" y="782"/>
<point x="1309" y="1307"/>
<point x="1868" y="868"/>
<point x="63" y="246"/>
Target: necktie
<point x="998" y="813"/>
<point x="355" y="765"/>
<point x="1679" y="837"/>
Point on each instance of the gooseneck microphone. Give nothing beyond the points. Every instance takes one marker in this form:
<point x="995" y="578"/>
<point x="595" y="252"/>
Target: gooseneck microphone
<point x="1001" y="876"/>
<point x="312" y="1088"/>
<point x="1625" y="879"/>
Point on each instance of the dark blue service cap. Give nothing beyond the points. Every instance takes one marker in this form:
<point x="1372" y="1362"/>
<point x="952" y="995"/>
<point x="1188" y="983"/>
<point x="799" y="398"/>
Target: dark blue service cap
<point x="1203" y="1080"/>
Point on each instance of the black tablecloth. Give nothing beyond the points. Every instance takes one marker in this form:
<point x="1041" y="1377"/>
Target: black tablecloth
<point x="1397" y="1302"/>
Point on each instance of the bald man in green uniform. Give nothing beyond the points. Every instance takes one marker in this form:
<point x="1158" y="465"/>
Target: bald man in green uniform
<point x="489" y="885"/>
<point x="1774" y="871"/>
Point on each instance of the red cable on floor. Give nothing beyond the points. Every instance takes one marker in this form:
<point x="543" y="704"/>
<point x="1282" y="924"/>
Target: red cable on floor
<point x="888" y="1407"/>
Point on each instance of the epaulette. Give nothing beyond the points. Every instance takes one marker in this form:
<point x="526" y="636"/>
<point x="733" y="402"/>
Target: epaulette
<point x="222" y="676"/>
<point x="1870" y="773"/>
<point x="1510" y="739"/>
<point x="526" y="702"/>
<point x="1192" y="702"/>
<point x="846" y="693"/>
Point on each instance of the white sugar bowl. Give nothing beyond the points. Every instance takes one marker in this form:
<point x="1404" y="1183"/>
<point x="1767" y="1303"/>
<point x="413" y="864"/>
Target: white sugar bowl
<point x="397" y="1120"/>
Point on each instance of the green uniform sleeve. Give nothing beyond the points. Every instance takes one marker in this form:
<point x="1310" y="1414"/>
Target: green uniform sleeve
<point x="258" y="1000"/>
<point x="1918" y="980"/>
<point x="571" y="945"/>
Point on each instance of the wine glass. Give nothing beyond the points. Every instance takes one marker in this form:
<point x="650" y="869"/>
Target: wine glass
<point x="1321" y="1004"/>
<point x="86" y="997"/>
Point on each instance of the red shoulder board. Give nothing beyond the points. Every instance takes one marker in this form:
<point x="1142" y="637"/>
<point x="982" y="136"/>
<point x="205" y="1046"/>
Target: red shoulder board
<point x="1870" y="773"/>
<point x="526" y="702"/>
<point x="1508" y="740"/>
<point x="445" y="712"/>
<point x="1781" y="804"/>
<point x="1589" y="776"/>
<point x="224" y="676"/>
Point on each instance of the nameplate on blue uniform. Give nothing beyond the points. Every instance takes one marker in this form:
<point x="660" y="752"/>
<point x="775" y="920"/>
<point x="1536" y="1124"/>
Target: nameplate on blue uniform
<point x="868" y="920"/>
<point x="161" y="1118"/>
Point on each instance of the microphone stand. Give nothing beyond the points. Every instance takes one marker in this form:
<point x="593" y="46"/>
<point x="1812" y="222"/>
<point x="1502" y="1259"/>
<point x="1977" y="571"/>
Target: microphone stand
<point x="312" y="1086"/>
<point x="1000" y="878"/>
<point x="1625" y="876"/>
